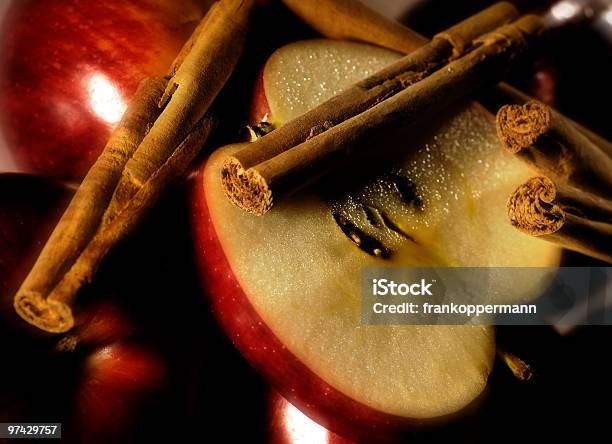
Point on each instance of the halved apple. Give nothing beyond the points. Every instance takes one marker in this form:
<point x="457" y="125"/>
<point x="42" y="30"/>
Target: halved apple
<point x="286" y="285"/>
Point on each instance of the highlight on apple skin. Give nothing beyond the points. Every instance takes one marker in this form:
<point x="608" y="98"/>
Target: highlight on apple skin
<point x="69" y="67"/>
<point x="288" y="425"/>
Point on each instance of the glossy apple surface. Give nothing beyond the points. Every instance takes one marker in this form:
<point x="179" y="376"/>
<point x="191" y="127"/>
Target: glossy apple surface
<point x="288" y="425"/>
<point x="286" y="285"/>
<point x="94" y="379"/>
<point x="115" y="380"/>
<point x="147" y="349"/>
<point x="69" y="67"/>
<point x="106" y="377"/>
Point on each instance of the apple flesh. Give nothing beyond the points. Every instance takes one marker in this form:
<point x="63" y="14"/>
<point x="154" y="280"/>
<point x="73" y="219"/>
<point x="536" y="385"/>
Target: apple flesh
<point x="285" y="286"/>
<point x="69" y="67"/>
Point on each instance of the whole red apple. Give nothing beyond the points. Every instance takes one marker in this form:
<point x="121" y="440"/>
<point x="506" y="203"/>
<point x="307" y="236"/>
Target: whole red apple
<point x="70" y="66"/>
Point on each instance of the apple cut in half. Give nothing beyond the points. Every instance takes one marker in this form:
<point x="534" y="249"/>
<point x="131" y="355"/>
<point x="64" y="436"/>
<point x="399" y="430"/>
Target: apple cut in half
<point x="286" y="285"/>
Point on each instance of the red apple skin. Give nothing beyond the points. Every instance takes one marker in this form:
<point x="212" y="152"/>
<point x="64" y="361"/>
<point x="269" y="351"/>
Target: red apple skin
<point x="116" y="375"/>
<point x="103" y="324"/>
<point x="260" y="109"/>
<point x="115" y="380"/>
<point x="49" y="51"/>
<point x="267" y="354"/>
<point x="123" y="362"/>
<point x="97" y="378"/>
<point x="284" y="429"/>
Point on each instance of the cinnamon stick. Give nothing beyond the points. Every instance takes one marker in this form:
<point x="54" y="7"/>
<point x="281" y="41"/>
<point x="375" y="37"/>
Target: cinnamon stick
<point x="351" y="20"/>
<point x="253" y="176"/>
<point x="550" y="144"/>
<point x="568" y="216"/>
<point x="199" y="72"/>
<point x="163" y="130"/>
<point x="82" y="217"/>
<point x="131" y="215"/>
<point x="505" y="94"/>
<point x="382" y="85"/>
<point x="332" y="18"/>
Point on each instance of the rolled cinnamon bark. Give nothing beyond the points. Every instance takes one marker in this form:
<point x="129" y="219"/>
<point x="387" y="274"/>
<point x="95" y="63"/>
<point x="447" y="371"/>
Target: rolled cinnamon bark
<point x="389" y="81"/>
<point x="161" y="132"/>
<point x="84" y="213"/>
<point x="351" y="20"/>
<point x="122" y="225"/>
<point x="274" y="164"/>
<point x="376" y="88"/>
<point x="554" y="147"/>
<point x="566" y="215"/>
<point x="198" y="74"/>
<point x="505" y="94"/>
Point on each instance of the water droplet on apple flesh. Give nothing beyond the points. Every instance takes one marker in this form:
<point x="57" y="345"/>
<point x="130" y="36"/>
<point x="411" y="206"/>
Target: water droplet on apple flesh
<point x="449" y="171"/>
<point x="305" y="89"/>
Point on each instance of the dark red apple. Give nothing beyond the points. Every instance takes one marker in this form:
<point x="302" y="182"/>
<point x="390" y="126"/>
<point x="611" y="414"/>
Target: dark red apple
<point x="97" y="379"/>
<point x="116" y="378"/>
<point x="103" y="324"/>
<point x="68" y="68"/>
<point x="285" y="286"/>
<point x="145" y="349"/>
<point x="94" y="387"/>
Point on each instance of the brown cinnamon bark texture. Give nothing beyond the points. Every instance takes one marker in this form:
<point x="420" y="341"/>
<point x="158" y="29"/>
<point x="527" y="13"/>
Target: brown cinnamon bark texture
<point x="200" y="71"/>
<point x="131" y="215"/>
<point x="331" y="17"/>
<point x="568" y="216"/>
<point x="554" y="147"/>
<point x="163" y="130"/>
<point x="278" y="163"/>
<point x="376" y="88"/>
<point x="505" y="94"/>
<point x="84" y="213"/>
<point x="351" y="20"/>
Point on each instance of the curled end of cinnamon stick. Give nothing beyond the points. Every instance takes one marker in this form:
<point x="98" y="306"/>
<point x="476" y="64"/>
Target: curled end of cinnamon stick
<point x="520" y="126"/>
<point x="246" y="188"/>
<point x="47" y="314"/>
<point x="532" y="209"/>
